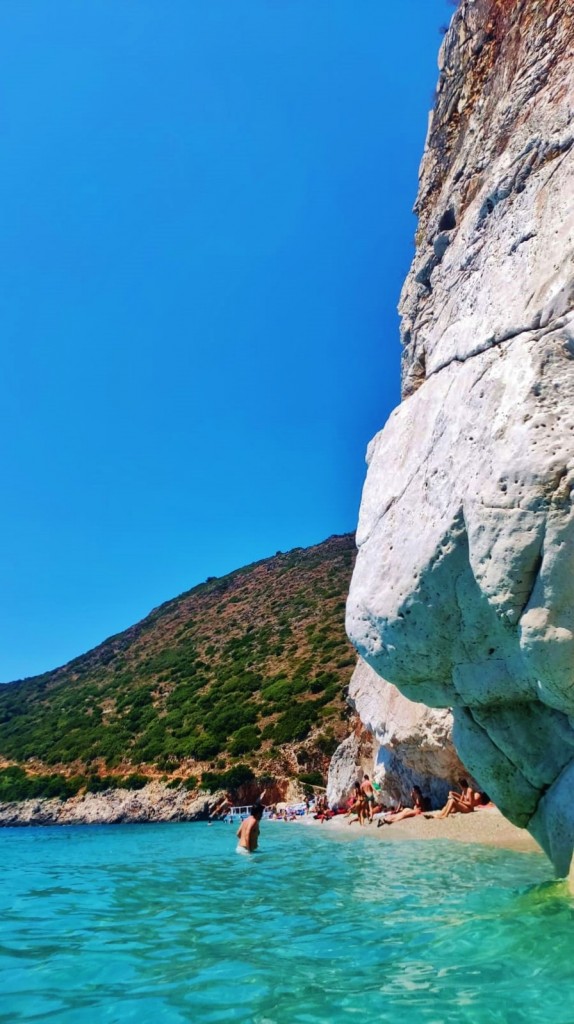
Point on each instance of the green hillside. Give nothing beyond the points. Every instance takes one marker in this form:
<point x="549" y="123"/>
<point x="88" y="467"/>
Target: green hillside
<point x="249" y="669"/>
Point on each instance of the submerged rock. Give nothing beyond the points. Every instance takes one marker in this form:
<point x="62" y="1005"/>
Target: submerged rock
<point x="463" y="591"/>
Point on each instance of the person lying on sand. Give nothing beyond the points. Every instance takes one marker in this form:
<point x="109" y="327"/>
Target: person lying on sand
<point x="459" y="803"/>
<point x="384" y="810"/>
<point x="420" y="804"/>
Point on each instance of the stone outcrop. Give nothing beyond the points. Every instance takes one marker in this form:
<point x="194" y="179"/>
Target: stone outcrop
<point x="413" y="743"/>
<point x="155" y="802"/>
<point x="463" y="591"/>
<point x="352" y="758"/>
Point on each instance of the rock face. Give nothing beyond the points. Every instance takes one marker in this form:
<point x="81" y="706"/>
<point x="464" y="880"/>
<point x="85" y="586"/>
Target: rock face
<point x="352" y="758"/>
<point x="155" y="802"/>
<point x="413" y="743"/>
<point x="463" y="592"/>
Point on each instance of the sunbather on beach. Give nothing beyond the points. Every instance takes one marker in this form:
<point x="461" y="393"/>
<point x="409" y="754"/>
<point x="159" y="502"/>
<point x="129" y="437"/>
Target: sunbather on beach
<point x="323" y="811"/>
<point x="381" y="811"/>
<point x="459" y="803"/>
<point x="420" y="804"/>
<point x="354" y="795"/>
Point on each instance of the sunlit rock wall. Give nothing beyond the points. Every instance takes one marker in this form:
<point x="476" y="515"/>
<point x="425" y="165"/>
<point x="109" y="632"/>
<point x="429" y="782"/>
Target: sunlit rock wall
<point x="352" y="758"/>
<point x="412" y="743"/>
<point x="463" y="592"/>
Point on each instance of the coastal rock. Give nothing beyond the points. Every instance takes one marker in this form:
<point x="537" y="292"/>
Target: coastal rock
<point x="155" y="802"/>
<point x="463" y="591"/>
<point x="352" y="758"/>
<point x="413" y="743"/>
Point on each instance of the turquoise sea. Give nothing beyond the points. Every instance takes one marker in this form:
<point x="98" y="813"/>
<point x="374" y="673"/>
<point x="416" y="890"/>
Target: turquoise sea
<point x="166" y="924"/>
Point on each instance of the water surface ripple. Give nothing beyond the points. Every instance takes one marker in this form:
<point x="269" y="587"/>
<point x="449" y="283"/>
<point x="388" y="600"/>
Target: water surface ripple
<point x="165" y="924"/>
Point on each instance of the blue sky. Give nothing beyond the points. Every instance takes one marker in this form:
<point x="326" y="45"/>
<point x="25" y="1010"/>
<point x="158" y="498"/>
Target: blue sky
<point x="206" y="220"/>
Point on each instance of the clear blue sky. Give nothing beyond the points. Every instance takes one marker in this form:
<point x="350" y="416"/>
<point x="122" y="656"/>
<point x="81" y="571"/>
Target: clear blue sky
<point x="205" y="221"/>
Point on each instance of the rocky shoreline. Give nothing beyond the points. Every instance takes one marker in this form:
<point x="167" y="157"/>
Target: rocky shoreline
<point x="154" y="803"/>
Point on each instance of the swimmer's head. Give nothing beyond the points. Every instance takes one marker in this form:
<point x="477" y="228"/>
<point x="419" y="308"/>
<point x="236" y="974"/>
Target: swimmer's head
<point x="257" y="811"/>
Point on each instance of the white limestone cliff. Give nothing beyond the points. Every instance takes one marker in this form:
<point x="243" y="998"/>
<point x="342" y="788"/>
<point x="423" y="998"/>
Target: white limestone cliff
<point x="463" y="591"/>
<point x="411" y="744"/>
<point x="349" y="763"/>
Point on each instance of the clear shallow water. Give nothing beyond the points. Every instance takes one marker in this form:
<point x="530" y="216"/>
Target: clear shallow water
<point x="166" y="924"/>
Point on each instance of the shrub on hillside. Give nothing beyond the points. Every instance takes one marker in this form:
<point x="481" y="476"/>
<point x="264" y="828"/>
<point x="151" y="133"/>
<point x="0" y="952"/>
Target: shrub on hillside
<point x="15" y="784"/>
<point x="95" y="784"/>
<point x="311" y="778"/>
<point x="295" y="723"/>
<point x="327" y="743"/>
<point x="134" y="781"/>
<point x="245" y="740"/>
<point x="227" y="720"/>
<point x="202" y="748"/>
<point x="231" y="780"/>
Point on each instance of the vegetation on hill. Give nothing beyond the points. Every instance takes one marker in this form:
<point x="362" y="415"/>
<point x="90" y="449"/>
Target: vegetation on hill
<point x="246" y="672"/>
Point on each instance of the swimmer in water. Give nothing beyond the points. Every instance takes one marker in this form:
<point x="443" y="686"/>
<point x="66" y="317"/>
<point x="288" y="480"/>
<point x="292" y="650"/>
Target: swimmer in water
<point x="248" y="831"/>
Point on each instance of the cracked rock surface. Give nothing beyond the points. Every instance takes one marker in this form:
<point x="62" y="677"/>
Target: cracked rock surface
<point x="463" y="591"/>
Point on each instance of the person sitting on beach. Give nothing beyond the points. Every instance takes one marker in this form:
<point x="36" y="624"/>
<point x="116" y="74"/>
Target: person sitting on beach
<point x="352" y="798"/>
<point x="369" y="794"/>
<point x="459" y="803"/>
<point x="321" y="807"/>
<point x="248" y="831"/>
<point x="420" y="805"/>
<point x="354" y="795"/>
<point x="358" y="806"/>
<point x="326" y="813"/>
<point x="323" y="811"/>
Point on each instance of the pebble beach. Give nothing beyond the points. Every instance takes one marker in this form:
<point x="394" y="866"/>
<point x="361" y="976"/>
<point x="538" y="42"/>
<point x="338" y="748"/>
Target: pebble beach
<point x="487" y="827"/>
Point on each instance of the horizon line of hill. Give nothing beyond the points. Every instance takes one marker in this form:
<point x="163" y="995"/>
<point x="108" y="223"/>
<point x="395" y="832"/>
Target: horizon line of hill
<point x="249" y="669"/>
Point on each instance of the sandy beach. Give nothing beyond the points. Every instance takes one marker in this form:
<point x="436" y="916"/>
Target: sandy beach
<point x="487" y="827"/>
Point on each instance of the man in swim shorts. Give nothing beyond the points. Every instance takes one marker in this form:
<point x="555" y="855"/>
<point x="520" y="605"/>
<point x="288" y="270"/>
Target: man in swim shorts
<point x="369" y="793"/>
<point x="248" y="831"/>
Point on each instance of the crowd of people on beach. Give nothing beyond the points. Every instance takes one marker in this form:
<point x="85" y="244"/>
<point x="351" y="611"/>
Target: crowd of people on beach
<point x="364" y="805"/>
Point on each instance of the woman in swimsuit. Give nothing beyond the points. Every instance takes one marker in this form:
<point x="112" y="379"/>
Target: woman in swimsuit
<point x="459" y="803"/>
<point x="419" y="806"/>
